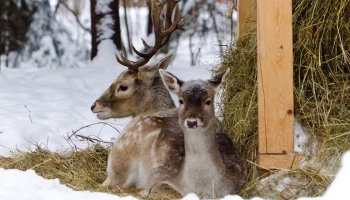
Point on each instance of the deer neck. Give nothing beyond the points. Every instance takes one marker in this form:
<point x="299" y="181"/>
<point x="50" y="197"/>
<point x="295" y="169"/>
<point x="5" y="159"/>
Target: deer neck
<point x="154" y="99"/>
<point x="203" y="162"/>
<point x="202" y="145"/>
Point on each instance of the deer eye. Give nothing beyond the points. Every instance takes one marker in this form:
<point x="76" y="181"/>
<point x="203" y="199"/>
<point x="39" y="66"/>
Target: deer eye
<point x="181" y="101"/>
<point x="123" y="88"/>
<point x="208" y="102"/>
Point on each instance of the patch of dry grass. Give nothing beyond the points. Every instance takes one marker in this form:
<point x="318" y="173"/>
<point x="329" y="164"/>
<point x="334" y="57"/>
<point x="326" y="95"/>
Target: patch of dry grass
<point x="79" y="170"/>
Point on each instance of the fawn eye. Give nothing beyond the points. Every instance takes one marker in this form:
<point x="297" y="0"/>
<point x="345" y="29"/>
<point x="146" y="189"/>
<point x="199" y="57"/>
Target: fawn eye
<point x="123" y="88"/>
<point x="181" y="101"/>
<point x="208" y="102"/>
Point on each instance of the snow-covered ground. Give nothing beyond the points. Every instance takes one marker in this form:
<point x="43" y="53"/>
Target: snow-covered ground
<point x="19" y="185"/>
<point x="43" y="107"/>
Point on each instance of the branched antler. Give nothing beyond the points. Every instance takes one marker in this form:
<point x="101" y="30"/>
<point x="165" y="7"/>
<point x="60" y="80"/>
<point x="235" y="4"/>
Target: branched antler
<point x="162" y="34"/>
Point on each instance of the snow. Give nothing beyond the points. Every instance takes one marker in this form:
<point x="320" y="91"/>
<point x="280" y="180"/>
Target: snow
<point x="339" y="189"/>
<point x="42" y="107"/>
<point x="282" y="185"/>
<point x="300" y="137"/>
<point x="188" y="6"/>
<point x="106" y="23"/>
<point x="27" y="185"/>
<point x="340" y="186"/>
<point x="54" y="40"/>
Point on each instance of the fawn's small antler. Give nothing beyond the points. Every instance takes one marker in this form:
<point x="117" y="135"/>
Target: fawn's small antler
<point x="162" y="34"/>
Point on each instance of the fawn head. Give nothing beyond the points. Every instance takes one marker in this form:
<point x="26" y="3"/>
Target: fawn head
<point x="135" y="89"/>
<point x="196" y="99"/>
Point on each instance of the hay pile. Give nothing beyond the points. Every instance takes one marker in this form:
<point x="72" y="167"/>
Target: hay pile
<point x="321" y="36"/>
<point x="80" y="170"/>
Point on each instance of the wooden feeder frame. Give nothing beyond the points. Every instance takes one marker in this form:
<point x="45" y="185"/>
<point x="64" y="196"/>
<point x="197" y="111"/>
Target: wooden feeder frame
<point x="275" y="79"/>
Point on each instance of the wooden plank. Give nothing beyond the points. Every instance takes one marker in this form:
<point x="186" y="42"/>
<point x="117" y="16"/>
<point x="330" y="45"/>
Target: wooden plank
<point x="269" y="161"/>
<point x="275" y="76"/>
<point x="246" y="15"/>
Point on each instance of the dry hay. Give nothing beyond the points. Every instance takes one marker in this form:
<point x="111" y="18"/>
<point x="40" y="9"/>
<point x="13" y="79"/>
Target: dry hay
<point x="78" y="169"/>
<point x="321" y="36"/>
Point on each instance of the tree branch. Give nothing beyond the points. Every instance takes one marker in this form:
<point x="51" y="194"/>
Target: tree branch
<point x="62" y="2"/>
<point x="89" y="125"/>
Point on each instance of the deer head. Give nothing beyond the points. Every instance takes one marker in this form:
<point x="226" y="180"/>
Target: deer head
<point x="140" y="88"/>
<point x="134" y="92"/>
<point x="196" y="99"/>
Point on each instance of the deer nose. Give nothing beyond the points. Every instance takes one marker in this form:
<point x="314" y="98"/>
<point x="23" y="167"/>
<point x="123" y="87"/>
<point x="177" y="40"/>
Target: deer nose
<point x="192" y="124"/>
<point x="93" y="106"/>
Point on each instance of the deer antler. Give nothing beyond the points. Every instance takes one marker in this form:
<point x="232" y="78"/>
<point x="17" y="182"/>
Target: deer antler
<point x="162" y="34"/>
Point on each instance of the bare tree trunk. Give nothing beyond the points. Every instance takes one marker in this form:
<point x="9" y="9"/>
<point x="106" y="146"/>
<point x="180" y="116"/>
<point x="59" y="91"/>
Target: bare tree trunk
<point x="74" y="13"/>
<point x="7" y="46"/>
<point x="116" y="27"/>
<point x="99" y="33"/>
<point x="127" y="26"/>
<point x="233" y="7"/>
<point x="149" y="24"/>
<point x="2" y="27"/>
<point x="95" y="19"/>
<point x="194" y="15"/>
<point x="211" y="10"/>
<point x="7" y="55"/>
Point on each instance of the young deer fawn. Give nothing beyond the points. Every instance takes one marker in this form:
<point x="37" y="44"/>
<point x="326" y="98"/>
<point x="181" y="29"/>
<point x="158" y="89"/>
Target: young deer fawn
<point x="212" y="164"/>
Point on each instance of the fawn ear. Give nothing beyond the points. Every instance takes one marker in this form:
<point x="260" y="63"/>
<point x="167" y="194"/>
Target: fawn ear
<point x="165" y="61"/>
<point x="218" y="79"/>
<point x="170" y="81"/>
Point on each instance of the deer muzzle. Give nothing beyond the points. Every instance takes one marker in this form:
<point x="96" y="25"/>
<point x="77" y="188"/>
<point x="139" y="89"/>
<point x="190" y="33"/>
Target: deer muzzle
<point x="97" y="107"/>
<point x="92" y="107"/>
<point x="193" y="123"/>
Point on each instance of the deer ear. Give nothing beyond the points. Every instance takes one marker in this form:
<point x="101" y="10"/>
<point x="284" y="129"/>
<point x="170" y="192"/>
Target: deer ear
<point x="165" y="61"/>
<point x="170" y="81"/>
<point x="217" y="80"/>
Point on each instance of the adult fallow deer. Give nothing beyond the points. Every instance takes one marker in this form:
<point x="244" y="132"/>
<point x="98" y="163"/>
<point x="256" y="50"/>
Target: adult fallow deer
<point x="212" y="166"/>
<point x="140" y="156"/>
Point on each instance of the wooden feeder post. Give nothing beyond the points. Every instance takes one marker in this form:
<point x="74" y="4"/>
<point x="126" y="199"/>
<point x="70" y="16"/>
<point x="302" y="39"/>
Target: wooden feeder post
<point x="275" y="82"/>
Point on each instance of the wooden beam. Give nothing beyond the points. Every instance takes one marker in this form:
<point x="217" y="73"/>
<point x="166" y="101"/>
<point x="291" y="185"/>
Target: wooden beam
<point x="246" y="15"/>
<point x="275" y="76"/>
<point x="268" y="161"/>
